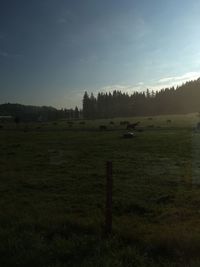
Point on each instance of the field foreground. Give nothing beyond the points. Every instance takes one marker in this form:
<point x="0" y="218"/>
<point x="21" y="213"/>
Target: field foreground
<point x="52" y="193"/>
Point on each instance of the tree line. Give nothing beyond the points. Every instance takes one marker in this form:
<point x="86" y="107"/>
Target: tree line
<point x="179" y="100"/>
<point x="35" y="113"/>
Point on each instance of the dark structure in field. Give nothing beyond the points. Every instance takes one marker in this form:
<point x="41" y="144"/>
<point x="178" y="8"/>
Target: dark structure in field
<point x="17" y="120"/>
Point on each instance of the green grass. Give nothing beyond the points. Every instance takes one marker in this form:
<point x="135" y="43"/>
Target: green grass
<point x="52" y="194"/>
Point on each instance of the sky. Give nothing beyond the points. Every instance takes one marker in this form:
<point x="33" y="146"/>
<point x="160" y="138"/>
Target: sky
<point x="51" y="51"/>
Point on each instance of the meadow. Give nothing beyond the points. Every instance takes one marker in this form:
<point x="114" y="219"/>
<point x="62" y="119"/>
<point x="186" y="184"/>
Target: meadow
<point x="52" y="193"/>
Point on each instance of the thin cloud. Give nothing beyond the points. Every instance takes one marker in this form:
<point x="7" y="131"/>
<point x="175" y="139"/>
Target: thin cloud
<point x="185" y="77"/>
<point x="156" y="85"/>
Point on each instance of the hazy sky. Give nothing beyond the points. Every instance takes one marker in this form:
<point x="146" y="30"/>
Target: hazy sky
<point x="51" y="51"/>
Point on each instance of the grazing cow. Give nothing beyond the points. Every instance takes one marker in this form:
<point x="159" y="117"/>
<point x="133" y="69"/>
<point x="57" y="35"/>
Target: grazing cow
<point x="132" y="125"/>
<point x="111" y="122"/>
<point x="102" y="127"/>
<point x="70" y="123"/>
<point x="128" y="135"/>
<point x="150" y="126"/>
<point x="169" y="121"/>
<point x="124" y="122"/>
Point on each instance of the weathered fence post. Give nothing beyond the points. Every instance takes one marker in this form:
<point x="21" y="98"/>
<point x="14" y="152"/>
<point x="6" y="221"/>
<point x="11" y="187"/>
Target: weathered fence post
<point x="108" y="208"/>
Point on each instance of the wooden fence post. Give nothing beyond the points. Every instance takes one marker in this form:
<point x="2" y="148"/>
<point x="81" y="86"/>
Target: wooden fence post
<point x="108" y="207"/>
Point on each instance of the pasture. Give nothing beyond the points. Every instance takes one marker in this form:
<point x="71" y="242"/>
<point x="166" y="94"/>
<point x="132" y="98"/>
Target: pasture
<point x="52" y="193"/>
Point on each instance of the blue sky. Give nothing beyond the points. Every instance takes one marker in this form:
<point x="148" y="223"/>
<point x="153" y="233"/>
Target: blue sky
<point x="51" y="51"/>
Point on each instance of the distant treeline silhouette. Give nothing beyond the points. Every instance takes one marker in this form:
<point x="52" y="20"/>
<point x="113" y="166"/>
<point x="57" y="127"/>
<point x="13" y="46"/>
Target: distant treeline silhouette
<point x="183" y="99"/>
<point x="35" y="113"/>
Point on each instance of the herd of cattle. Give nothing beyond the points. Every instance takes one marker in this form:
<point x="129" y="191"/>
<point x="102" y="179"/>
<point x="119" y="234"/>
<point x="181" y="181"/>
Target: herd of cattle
<point x="129" y="127"/>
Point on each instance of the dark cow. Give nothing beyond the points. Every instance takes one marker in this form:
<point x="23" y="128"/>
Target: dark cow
<point x="102" y="127"/>
<point x="128" y="135"/>
<point x="132" y="125"/>
<point x="70" y="123"/>
<point x="124" y="122"/>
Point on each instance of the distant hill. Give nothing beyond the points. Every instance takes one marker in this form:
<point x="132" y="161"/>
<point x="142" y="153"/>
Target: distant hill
<point x="33" y="113"/>
<point x="182" y="99"/>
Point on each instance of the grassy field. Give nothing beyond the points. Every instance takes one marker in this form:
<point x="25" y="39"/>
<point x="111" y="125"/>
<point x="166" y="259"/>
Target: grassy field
<point x="52" y="193"/>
